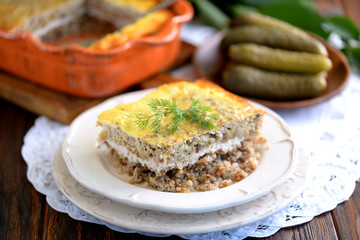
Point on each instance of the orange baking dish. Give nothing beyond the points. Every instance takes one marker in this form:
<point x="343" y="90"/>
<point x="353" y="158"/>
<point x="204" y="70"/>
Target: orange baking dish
<point x="79" y="71"/>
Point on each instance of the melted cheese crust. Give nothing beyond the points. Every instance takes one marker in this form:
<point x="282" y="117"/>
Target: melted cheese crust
<point x="140" y="5"/>
<point x="227" y="106"/>
<point x="142" y="27"/>
<point x="15" y="12"/>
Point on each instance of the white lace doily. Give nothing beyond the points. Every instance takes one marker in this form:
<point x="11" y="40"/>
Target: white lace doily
<point x="329" y="131"/>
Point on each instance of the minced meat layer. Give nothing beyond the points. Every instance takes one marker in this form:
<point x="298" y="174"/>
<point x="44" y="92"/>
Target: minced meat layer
<point x="161" y="159"/>
<point x="212" y="171"/>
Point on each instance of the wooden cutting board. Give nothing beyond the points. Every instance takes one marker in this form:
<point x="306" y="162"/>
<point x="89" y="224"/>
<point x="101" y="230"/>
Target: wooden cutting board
<point x="64" y="108"/>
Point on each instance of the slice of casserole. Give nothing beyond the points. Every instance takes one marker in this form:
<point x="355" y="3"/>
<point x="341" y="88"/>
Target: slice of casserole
<point x="144" y="26"/>
<point x="29" y="15"/>
<point x="119" y="12"/>
<point x="157" y="156"/>
<point x="33" y="16"/>
<point x="54" y="20"/>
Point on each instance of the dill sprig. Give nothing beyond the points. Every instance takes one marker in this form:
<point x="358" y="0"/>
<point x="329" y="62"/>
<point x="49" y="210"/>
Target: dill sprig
<point x="162" y="108"/>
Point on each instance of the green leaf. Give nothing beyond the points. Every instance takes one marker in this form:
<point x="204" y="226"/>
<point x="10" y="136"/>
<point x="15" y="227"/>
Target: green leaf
<point x="298" y="14"/>
<point x="343" y="26"/>
<point x="353" y="55"/>
<point x="259" y="3"/>
<point x="262" y="3"/>
<point x="212" y="14"/>
<point x="238" y="9"/>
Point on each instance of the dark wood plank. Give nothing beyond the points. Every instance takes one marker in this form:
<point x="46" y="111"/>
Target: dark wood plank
<point x="59" y="225"/>
<point x="349" y="8"/>
<point x="347" y="217"/>
<point x="321" y="227"/>
<point x="329" y="7"/>
<point x="352" y="10"/>
<point x="61" y="107"/>
<point x="21" y="205"/>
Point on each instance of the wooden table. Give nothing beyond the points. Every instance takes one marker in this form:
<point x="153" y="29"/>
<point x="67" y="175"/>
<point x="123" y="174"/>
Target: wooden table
<point x="25" y="214"/>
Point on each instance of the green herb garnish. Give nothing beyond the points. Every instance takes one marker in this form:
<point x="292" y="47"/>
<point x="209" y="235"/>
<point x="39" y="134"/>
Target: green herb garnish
<point x="162" y="108"/>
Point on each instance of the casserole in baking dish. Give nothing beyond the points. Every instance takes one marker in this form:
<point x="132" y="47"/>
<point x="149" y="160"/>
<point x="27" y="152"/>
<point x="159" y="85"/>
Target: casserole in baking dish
<point x="50" y="58"/>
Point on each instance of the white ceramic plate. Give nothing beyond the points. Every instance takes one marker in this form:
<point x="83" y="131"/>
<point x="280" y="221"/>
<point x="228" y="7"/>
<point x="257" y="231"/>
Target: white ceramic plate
<point x="275" y="166"/>
<point x="151" y="221"/>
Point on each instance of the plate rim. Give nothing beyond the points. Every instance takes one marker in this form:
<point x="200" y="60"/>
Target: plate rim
<point x="129" y="200"/>
<point x="284" y="104"/>
<point x="301" y="176"/>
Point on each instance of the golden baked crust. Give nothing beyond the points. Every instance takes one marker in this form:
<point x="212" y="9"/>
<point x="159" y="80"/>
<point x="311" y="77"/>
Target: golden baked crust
<point x="143" y="27"/>
<point x="140" y="5"/>
<point x="227" y="106"/>
<point x="45" y="18"/>
<point x="14" y="12"/>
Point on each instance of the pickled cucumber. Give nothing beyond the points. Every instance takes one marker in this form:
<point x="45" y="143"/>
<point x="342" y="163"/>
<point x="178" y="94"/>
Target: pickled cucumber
<point x="250" y="81"/>
<point x="278" y="59"/>
<point x="253" y="18"/>
<point x="273" y="37"/>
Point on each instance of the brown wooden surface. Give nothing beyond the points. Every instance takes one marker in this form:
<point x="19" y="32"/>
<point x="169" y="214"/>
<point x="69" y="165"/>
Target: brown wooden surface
<point x="25" y="214"/>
